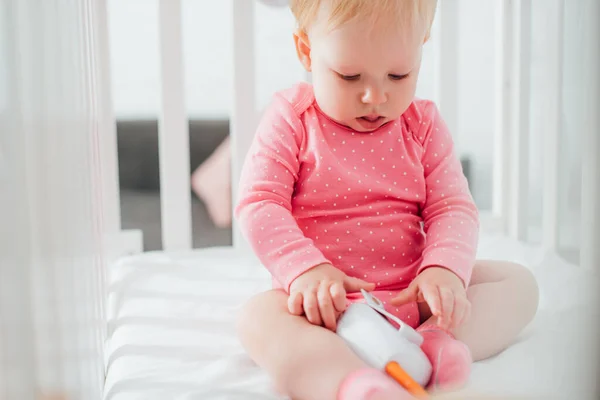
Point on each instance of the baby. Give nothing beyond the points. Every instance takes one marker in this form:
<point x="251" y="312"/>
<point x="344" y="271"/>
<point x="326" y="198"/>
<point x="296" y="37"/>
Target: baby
<point x="352" y="183"/>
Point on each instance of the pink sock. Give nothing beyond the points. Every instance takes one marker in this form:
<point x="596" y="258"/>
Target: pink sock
<point x="451" y="359"/>
<point x="371" y="384"/>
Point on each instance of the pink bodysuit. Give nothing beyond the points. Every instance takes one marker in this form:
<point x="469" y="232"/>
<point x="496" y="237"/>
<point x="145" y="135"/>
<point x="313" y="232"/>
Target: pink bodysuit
<point x="380" y="206"/>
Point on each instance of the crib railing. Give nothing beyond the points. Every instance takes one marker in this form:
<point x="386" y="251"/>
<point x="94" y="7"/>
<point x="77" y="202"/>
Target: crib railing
<point x="512" y="136"/>
<point x="173" y="133"/>
<point x="590" y="207"/>
<point x="173" y="128"/>
<point x="58" y="202"/>
<point x="552" y="128"/>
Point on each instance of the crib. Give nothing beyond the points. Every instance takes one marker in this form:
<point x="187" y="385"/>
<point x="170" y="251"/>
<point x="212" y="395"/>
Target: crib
<point x="108" y="321"/>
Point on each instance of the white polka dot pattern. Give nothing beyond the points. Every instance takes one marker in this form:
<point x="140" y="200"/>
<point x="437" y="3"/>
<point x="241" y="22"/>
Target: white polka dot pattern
<point x="380" y="206"/>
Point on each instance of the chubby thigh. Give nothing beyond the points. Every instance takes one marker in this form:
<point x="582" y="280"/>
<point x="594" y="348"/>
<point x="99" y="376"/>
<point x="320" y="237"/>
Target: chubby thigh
<point x="407" y="313"/>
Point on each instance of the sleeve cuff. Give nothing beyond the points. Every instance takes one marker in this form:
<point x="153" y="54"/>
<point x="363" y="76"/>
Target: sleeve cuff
<point x="450" y="260"/>
<point x="291" y="267"/>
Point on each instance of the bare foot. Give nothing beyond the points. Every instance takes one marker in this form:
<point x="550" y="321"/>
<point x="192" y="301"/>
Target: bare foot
<point x="211" y="182"/>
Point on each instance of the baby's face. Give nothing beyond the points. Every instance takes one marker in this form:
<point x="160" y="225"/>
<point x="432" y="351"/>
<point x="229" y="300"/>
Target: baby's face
<point x="363" y="76"/>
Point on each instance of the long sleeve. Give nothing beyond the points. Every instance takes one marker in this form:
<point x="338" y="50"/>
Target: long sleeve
<point x="264" y="210"/>
<point x="451" y="220"/>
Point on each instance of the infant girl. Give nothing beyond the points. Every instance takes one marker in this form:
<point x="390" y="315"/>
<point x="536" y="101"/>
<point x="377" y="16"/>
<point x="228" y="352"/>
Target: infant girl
<point x="352" y="183"/>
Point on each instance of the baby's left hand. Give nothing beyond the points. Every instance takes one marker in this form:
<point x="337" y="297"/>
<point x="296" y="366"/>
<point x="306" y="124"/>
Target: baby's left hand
<point x="444" y="293"/>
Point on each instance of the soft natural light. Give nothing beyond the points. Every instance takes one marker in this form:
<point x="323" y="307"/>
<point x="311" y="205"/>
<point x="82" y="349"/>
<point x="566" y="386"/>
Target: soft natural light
<point x="166" y="164"/>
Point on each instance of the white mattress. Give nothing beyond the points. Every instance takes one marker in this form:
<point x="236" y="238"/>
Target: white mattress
<point x="171" y="332"/>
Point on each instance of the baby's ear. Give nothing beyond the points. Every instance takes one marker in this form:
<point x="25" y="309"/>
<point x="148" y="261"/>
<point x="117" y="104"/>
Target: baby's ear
<point x="303" y="48"/>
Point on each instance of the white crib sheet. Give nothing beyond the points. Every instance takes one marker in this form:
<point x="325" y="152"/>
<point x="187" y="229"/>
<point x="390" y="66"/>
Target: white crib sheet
<point x="171" y="329"/>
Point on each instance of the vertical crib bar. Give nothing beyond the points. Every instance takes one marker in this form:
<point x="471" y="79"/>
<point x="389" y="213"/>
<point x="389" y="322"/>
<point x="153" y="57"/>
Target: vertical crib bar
<point x="68" y="281"/>
<point x="109" y="161"/>
<point x="503" y="113"/>
<point x="244" y="111"/>
<point x="17" y="328"/>
<point x="173" y="133"/>
<point x="447" y="60"/>
<point x="52" y="347"/>
<point x="107" y="124"/>
<point x="54" y="204"/>
<point x="590" y="211"/>
<point x="105" y="212"/>
<point x="519" y="135"/>
<point x="552" y="125"/>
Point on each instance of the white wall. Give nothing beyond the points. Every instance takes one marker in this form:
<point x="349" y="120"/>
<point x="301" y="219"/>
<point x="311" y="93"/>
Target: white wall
<point x="207" y="47"/>
<point x="207" y="29"/>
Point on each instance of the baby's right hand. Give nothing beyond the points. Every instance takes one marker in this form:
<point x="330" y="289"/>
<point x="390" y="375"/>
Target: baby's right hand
<point x="320" y="294"/>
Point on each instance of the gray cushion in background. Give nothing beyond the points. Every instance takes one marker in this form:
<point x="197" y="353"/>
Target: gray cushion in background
<point x="141" y="210"/>
<point x="139" y="180"/>
<point x="138" y="149"/>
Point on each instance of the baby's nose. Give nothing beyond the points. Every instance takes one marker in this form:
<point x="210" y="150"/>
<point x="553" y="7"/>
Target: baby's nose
<point x="374" y="95"/>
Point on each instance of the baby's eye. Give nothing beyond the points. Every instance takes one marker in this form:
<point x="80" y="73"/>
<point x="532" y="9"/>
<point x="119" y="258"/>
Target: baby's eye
<point x="398" y="77"/>
<point x="349" y="77"/>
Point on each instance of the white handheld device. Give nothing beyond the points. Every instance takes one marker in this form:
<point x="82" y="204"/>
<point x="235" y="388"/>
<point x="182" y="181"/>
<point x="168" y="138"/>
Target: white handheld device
<point x="376" y="341"/>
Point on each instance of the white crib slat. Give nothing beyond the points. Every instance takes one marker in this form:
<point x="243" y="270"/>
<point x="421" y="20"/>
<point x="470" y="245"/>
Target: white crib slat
<point x="552" y="125"/>
<point x="590" y="211"/>
<point x="107" y="124"/>
<point x="503" y="112"/>
<point x="447" y="60"/>
<point x="519" y="147"/>
<point x="244" y="111"/>
<point x="173" y="133"/>
<point x="19" y="27"/>
<point x="54" y="207"/>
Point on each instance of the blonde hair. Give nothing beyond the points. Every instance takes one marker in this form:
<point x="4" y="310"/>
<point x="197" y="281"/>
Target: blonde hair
<point x="402" y="12"/>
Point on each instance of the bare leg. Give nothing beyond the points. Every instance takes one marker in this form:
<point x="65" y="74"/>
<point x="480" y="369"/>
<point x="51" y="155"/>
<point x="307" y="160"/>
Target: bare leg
<point x="306" y="361"/>
<point x="504" y="299"/>
<point x="209" y="185"/>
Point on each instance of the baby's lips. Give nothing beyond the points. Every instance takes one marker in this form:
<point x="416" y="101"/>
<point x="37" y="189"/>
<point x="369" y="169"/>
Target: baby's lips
<point x="371" y="117"/>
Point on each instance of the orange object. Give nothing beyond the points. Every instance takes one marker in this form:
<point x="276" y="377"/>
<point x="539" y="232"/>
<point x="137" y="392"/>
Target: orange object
<point x="394" y="370"/>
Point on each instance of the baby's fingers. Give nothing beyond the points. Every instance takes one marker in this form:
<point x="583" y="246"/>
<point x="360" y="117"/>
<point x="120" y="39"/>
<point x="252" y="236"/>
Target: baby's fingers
<point x="409" y="294"/>
<point x="311" y="307"/>
<point x="338" y="295"/>
<point x="295" y="302"/>
<point x="326" y="306"/>
<point x="447" y="307"/>
<point x="431" y="295"/>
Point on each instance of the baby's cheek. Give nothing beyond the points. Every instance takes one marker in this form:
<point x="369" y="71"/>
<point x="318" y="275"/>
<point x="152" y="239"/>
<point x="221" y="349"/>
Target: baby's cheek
<point x="335" y="100"/>
<point x="402" y="99"/>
